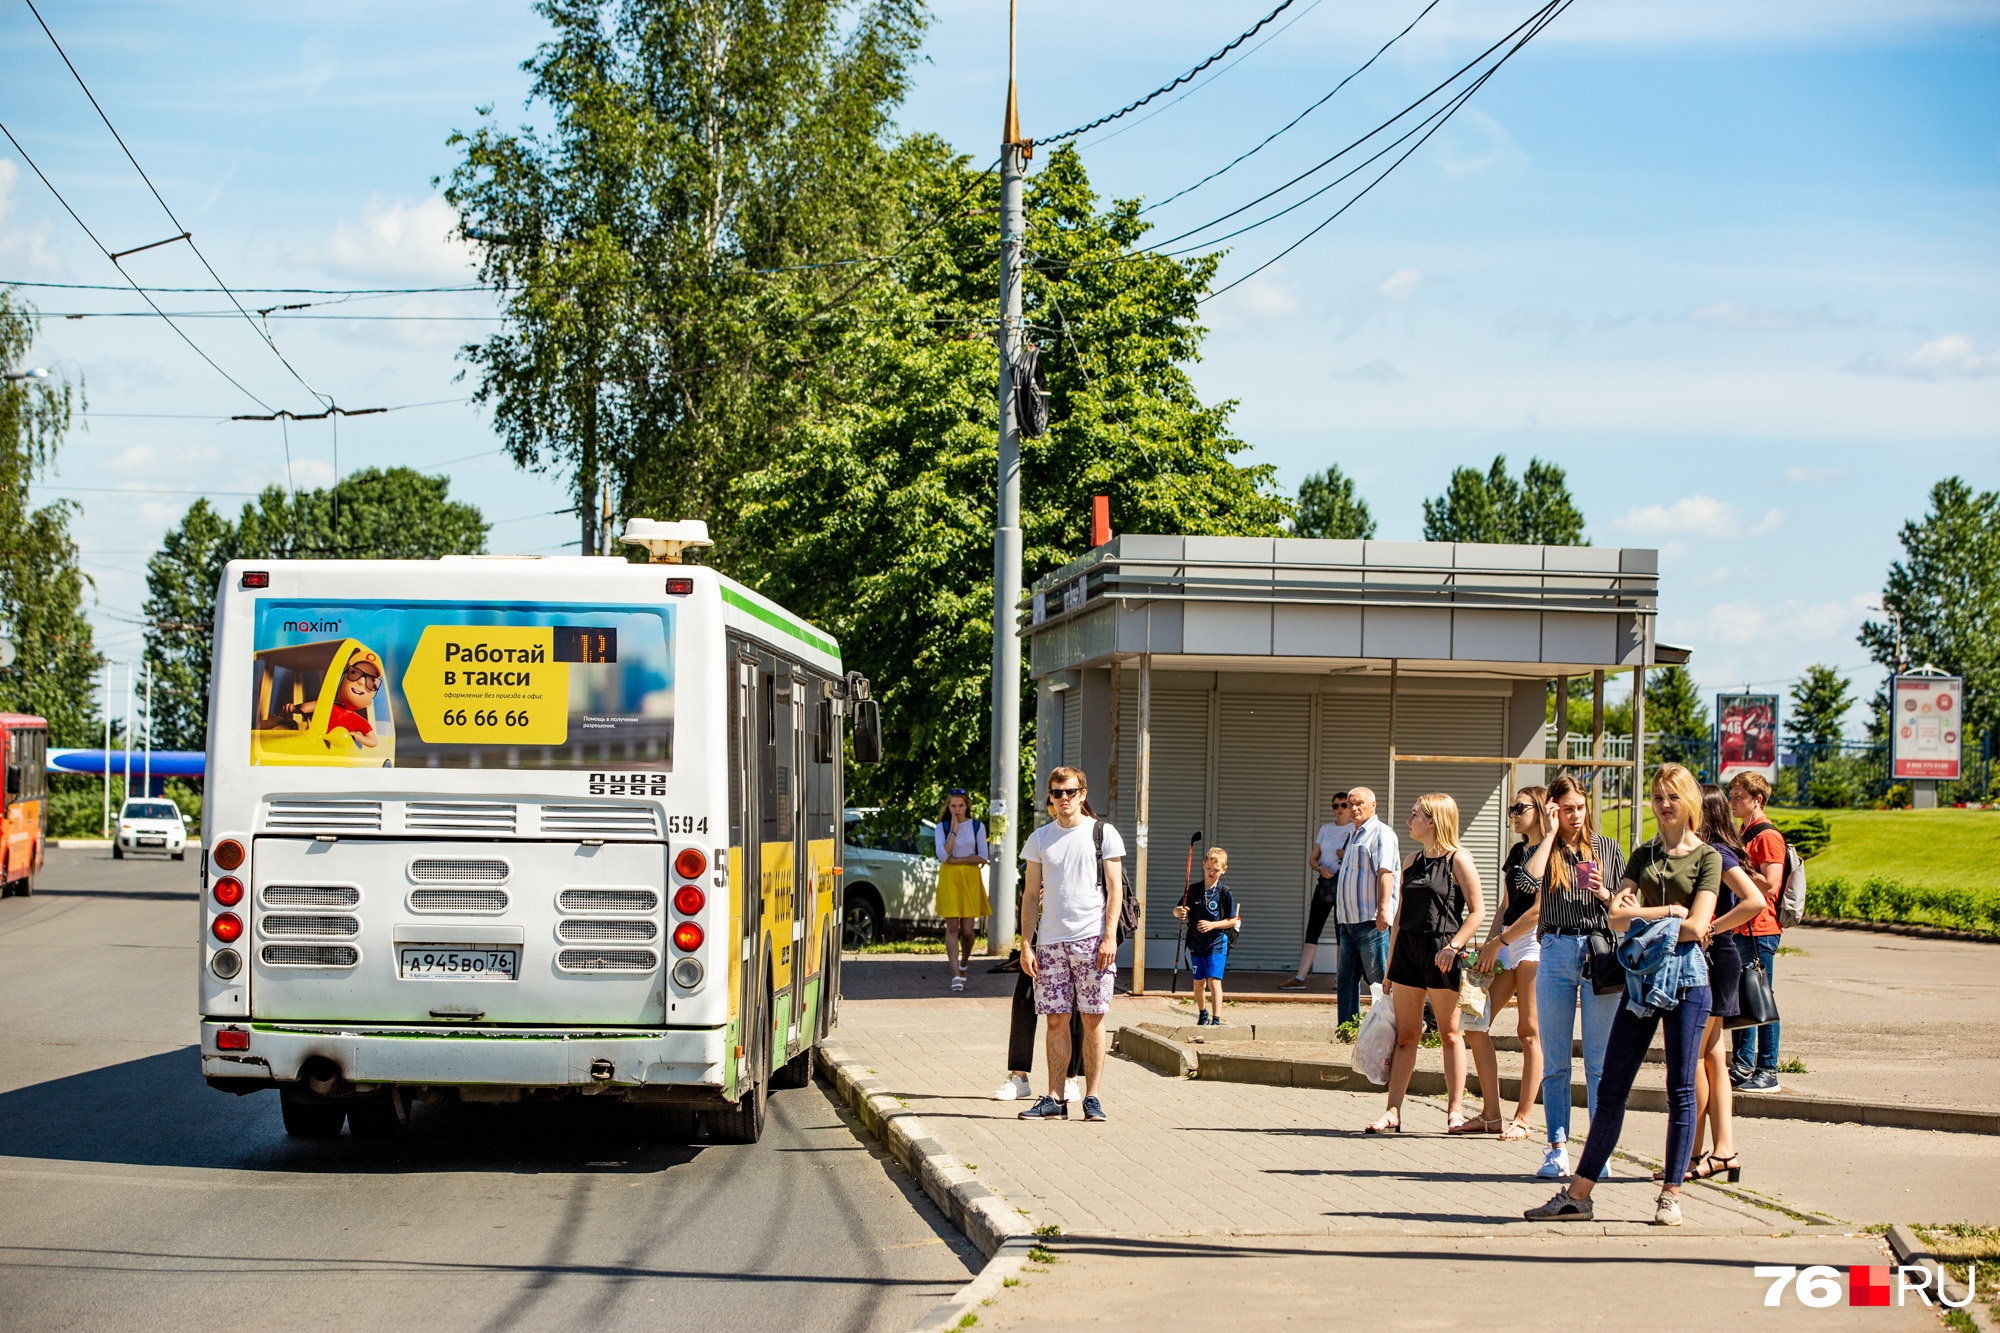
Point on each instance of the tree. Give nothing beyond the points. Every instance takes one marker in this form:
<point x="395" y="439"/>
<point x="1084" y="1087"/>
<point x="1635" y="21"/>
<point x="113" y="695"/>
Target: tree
<point x="1946" y="593"/>
<point x="1820" y="700"/>
<point x="675" y="248"/>
<point x="879" y="525"/>
<point x="1536" y="510"/>
<point x="41" y="579"/>
<point x="373" y="514"/>
<point x="1675" y="712"/>
<point x="1330" y="507"/>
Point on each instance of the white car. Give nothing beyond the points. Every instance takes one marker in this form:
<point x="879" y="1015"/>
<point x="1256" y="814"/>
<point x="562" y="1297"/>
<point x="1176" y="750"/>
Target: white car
<point x="150" y="826"/>
<point x="890" y="876"/>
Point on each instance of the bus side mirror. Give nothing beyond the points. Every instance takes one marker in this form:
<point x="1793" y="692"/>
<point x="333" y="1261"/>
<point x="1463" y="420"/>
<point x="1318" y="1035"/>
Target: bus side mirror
<point x="823" y="732"/>
<point x="867" y="731"/>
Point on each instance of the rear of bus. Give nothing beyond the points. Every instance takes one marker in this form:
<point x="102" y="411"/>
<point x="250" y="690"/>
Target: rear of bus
<point x="24" y="744"/>
<point x="467" y="834"/>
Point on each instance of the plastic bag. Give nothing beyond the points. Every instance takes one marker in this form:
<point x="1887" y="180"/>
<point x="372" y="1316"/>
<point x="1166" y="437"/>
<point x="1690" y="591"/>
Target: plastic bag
<point x="1480" y="1021"/>
<point x="1472" y="987"/>
<point x="1375" y="1044"/>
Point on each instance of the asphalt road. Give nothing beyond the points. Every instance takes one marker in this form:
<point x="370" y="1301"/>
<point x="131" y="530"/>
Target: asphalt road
<point x="131" y="1194"/>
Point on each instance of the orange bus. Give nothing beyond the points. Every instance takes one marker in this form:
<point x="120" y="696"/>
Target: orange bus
<point x="24" y="741"/>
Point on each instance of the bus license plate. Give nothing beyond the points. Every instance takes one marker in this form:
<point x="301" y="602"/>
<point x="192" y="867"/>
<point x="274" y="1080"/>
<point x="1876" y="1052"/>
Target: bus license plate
<point x="444" y="962"/>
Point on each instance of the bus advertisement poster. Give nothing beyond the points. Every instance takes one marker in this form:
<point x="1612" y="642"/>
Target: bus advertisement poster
<point x="1925" y="737"/>
<point x="381" y="684"/>
<point x="1746" y="729"/>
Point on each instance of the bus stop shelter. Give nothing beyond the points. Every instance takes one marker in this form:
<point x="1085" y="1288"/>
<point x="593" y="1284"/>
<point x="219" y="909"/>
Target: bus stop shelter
<point x="1230" y="685"/>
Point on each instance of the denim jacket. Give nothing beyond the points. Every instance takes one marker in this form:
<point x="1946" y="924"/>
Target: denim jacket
<point x="1658" y="968"/>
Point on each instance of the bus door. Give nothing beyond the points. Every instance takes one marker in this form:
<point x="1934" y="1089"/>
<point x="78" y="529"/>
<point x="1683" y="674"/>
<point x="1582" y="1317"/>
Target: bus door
<point x="804" y="890"/>
<point x="746" y="876"/>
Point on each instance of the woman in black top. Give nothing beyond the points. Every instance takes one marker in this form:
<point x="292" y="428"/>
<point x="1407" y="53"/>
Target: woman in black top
<point x="1438" y="913"/>
<point x="1738" y="903"/>
<point x="1511" y="955"/>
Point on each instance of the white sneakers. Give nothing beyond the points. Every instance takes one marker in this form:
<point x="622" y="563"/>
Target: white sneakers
<point x="1016" y="1089"/>
<point x="1555" y="1162"/>
<point x="1667" y="1210"/>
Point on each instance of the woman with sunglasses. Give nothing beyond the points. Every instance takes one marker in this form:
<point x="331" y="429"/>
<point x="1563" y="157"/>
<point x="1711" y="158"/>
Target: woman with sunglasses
<point x="961" y="893"/>
<point x="1438" y="912"/>
<point x="1512" y="955"/>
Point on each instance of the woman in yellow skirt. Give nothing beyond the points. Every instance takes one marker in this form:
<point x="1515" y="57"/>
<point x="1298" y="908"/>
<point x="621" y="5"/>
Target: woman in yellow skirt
<point x="961" y="892"/>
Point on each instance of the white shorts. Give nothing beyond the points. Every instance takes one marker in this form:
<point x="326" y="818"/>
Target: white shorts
<point x="1528" y="950"/>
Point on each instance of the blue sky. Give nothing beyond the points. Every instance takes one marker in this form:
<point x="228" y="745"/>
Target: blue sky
<point x="1734" y="267"/>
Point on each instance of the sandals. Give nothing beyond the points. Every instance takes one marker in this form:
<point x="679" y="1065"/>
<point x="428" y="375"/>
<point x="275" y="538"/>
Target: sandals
<point x="1713" y="1166"/>
<point x="1461" y="1125"/>
<point x="1385" y="1125"/>
<point x="958" y="981"/>
<point x="1513" y="1129"/>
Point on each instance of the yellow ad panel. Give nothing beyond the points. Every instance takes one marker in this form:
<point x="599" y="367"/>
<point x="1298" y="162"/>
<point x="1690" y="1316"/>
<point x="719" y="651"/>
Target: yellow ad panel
<point x="777" y="862"/>
<point x="819" y="853"/>
<point x="488" y="684"/>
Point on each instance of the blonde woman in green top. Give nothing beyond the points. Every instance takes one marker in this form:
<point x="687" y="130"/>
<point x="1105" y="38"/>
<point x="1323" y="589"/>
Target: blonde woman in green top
<point x="1675" y="876"/>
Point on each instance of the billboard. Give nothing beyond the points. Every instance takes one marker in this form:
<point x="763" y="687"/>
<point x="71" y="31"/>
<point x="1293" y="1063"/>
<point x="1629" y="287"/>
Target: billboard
<point x="1746" y="730"/>
<point x="409" y="684"/>
<point x="1924" y="736"/>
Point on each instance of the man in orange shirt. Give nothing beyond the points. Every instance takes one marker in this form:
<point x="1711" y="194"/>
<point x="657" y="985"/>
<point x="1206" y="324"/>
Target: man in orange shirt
<point x="1753" y="1064"/>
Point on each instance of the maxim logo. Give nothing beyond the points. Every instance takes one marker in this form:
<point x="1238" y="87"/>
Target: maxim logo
<point x="310" y="627"/>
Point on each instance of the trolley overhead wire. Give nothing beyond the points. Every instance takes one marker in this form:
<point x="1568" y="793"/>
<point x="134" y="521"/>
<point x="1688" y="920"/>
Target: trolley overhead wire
<point x="1166" y="88"/>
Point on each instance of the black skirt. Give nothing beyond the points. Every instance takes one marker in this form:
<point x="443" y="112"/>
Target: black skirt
<point x="1725" y="976"/>
<point x="1414" y="960"/>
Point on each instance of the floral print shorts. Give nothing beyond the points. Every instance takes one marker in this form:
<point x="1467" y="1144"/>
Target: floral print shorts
<point x="1066" y="977"/>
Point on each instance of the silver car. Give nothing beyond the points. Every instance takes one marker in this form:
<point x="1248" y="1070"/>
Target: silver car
<point x="890" y="877"/>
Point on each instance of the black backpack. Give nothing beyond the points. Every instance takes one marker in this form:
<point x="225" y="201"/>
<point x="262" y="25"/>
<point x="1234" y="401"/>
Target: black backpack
<point x="1128" y="905"/>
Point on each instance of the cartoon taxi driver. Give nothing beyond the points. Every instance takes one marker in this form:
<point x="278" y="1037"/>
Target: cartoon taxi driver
<point x="351" y="699"/>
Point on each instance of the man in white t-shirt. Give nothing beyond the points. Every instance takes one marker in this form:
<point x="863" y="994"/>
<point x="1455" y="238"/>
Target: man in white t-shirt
<point x="1324" y="856"/>
<point x="1073" y="920"/>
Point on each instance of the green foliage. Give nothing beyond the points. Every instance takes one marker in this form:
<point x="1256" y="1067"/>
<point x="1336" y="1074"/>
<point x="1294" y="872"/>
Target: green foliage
<point x="688" y="143"/>
<point x="877" y="523"/>
<point x="1840" y="781"/>
<point x="1329" y="506"/>
<point x="1676" y="711"/>
<point x="41" y="580"/>
<point x="1820" y="700"/>
<point x="1881" y="898"/>
<point x="1536" y="510"/>
<point x="1807" y="834"/>
<point x="1946" y="589"/>
<point x="373" y="514"/>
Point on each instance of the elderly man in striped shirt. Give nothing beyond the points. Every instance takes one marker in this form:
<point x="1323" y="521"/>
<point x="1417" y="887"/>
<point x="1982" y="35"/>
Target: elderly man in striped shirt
<point x="1370" y="871"/>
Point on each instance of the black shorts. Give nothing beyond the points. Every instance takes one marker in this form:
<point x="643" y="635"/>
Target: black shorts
<point x="1725" y="977"/>
<point x="1414" y="961"/>
<point x="1317" y="911"/>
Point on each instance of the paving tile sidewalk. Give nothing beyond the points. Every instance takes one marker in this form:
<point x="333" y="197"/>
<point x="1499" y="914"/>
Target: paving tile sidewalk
<point x="1192" y="1158"/>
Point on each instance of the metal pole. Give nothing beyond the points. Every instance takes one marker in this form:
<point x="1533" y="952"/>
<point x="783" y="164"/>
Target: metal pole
<point x="1144" y="822"/>
<point x="1597" y="744"/>
<point x="128" y="733"/>
<point x="107" y="749"/>
<point x="1003" y="789"/>
<point x="1562" y="718"/>
<point x="1391" y="806"/>
<point x="149" y="728"/>
<point x="1638" y="756"/>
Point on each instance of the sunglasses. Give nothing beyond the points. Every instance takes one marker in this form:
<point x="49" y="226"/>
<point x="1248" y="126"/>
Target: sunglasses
<point x="1340" y="805"/>
<point x="368" y="678"/>
<point x="1519" y="809"/>
<point x="1064" y="793"/>
<point x="956" y="791"/>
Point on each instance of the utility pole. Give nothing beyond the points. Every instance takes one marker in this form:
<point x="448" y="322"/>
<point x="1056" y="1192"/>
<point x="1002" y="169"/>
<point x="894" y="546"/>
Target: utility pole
<point x="149" y="728"/>
<point x="1003" y="794"/>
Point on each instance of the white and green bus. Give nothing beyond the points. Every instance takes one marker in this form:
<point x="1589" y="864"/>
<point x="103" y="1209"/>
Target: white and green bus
<point x="495" y="828"/>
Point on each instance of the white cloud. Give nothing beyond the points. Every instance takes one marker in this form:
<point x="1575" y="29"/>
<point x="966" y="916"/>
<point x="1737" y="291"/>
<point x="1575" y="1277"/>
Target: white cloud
<point x="1401" y="285"/>
<point x="1952" y="357"/>
<point x="26" y="245"/>
<point x="396" y="240"/>
<point x="1697" y="516"/>
<point x="1494" y="145"/>
<point x="1736" y="316"/>
<point x="1790" y="622"/>
<point x="1267" y="298"/>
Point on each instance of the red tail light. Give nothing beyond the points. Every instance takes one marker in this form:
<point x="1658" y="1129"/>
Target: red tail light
<point x="228" y="854"/>
<point x="232" y="1039"/>
<point x="229" y="891"/>
<point x="227" y="927"/>
<point x="687" y="937"/>
<point x="690" y="900"/>
<point x="690" y="863"/>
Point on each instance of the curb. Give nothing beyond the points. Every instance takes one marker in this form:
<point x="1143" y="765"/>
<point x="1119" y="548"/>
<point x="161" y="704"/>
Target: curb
<point x="1003" y="1233"/>
<point x="1912" y="1252"/>
<point x="1901" y="928"/>
<point x="1182" y="1061"/>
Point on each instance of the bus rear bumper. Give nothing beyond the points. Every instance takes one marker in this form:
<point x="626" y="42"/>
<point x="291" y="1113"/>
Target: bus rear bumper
<point x="279" y="1052"/>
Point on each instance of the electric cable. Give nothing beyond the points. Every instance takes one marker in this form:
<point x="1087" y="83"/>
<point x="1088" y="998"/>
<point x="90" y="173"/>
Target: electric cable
<point x="1165" y="88"/>
<point x="1265" y="143"/>
<point x="143" y="294"/>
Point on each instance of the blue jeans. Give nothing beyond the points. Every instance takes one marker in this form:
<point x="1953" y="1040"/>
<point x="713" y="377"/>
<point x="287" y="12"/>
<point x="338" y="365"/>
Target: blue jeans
<point x="1630" y="1036"/>
<point x="1757" y="1047"/>
<point x="1364" y="951"/>
<point x="1561" y="989"/>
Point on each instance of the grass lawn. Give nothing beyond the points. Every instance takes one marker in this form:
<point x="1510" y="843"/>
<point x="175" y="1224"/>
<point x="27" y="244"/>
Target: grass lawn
<point x="1946" y="849"/>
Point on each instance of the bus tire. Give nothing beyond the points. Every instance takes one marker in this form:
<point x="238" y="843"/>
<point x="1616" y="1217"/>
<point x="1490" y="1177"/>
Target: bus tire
<point x="669" y="1124"/>
<point x="374" y="1118"/>
<point x="796" y="1072"/>
<point x="743" y="1122"/>
<point x="311" y="1119"/>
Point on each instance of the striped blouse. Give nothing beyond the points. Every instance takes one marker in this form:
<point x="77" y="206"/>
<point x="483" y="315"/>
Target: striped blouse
<point x="1576" y="909"/>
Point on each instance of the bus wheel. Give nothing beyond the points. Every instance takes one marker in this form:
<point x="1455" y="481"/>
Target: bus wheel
<point x="796" y="1072"/>
<point x="668" y="1124"/>
<point x="374" y="1118"/>
<point x="311" y="1119"/>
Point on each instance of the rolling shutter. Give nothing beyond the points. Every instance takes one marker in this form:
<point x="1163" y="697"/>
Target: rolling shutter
<point x="1456" y="724"/>
<point x="1262" y="789"/>
<point x="1180" y="795"/>
<point x="1353" y="752"/>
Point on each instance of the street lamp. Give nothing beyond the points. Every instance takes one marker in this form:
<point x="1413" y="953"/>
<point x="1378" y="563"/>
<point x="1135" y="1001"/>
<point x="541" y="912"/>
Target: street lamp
<point x="38" y="373"/>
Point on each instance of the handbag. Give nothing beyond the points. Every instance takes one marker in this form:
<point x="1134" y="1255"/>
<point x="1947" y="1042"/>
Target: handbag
<point x="1756" y="1002"/>
<point x="1607" y="974"/>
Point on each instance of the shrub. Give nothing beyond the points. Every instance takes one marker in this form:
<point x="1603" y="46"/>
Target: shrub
<point x="1888" y="900"/>
<point x="1808" y="834"/>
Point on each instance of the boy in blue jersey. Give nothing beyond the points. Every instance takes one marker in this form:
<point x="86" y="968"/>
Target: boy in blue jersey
<point x="1209" y="909"/>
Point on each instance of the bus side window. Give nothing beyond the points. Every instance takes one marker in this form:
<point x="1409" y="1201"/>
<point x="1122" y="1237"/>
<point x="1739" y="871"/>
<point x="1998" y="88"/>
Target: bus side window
<point x="823" y="732"/>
